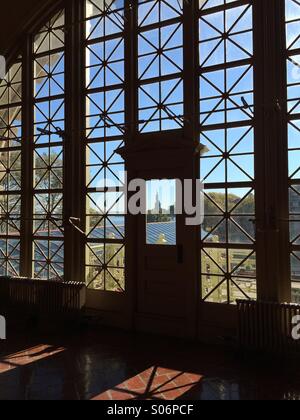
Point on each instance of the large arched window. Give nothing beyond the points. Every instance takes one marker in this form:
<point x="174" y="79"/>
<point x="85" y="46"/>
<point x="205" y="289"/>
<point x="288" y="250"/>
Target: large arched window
<point x="99" y="79"/>
<point x="227" y="169"/>
<point x="293" y="99"/>
<point x="48" y="149"/>
<point x="105" y="125"/>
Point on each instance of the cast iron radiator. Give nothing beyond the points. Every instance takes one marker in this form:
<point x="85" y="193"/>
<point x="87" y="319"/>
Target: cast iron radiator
<point x="267" y="326"/>
<point x="41" y="296"/>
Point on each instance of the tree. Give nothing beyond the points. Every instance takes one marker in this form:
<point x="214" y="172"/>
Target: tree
<point x="215" y="207"/>
<point x="48" y="175"/>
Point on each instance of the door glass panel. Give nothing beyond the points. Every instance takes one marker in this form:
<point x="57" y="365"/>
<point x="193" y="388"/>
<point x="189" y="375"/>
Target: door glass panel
<point x="227" y="167"/>
<point x="293" y="95"/>
<point x="161" y="218"/>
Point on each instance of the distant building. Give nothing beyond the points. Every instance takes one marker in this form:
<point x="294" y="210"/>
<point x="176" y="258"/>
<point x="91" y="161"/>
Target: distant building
<point x="158" y="207"/>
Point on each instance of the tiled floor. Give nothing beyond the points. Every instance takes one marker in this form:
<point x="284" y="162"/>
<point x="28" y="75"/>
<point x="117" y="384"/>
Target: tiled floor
<point x="115" y="365"/>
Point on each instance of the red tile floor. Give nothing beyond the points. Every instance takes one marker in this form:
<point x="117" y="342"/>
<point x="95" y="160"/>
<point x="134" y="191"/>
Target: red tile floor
<point x="109" y="364"/>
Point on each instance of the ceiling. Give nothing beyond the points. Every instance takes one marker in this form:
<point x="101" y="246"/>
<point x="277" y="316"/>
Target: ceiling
<point x="16" y="14"/>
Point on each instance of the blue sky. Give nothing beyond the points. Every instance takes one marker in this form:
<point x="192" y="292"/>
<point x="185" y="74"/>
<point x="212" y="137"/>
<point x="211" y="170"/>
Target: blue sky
<point x="165" y="190"/>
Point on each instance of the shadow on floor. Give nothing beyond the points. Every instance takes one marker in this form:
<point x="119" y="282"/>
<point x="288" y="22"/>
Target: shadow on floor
<point x="114" y="365"/>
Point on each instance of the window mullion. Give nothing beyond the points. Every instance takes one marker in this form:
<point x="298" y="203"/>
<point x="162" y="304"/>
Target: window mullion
<point x="74" y="153"/>
<point x="131" y="116"/>
<point x="274" y="284"/>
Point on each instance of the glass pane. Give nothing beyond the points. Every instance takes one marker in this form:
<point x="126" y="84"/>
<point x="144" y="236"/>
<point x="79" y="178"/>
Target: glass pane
<point x="227" y="164"/>
<point x="104" y="134"/>
<point x="161" y="218"/>
<point x="48" y="152"/>
<point x="293" y="85"/>
<point x="160" y="65"/>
